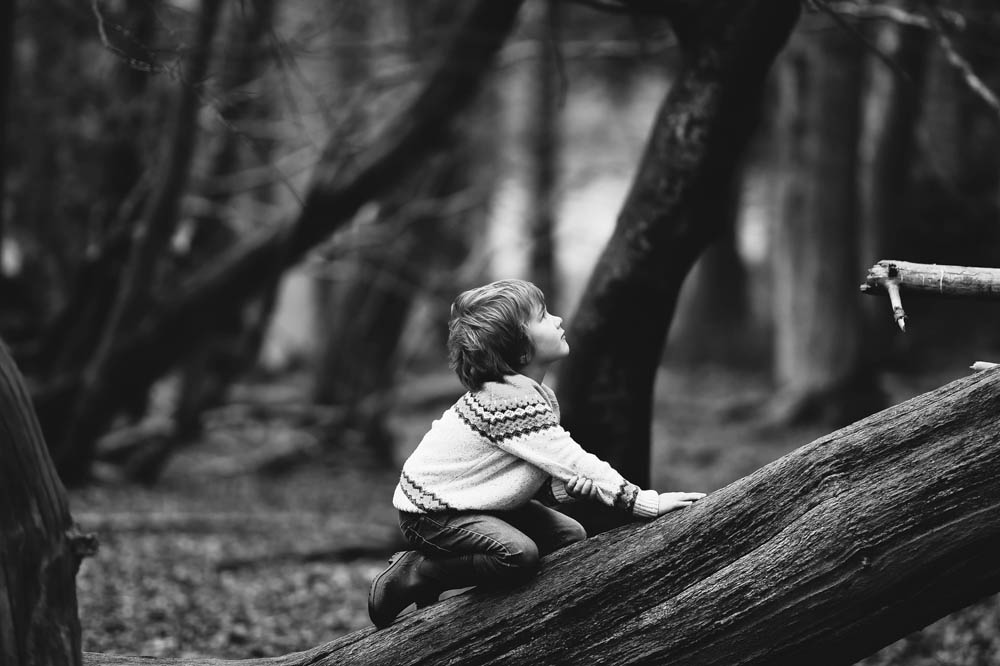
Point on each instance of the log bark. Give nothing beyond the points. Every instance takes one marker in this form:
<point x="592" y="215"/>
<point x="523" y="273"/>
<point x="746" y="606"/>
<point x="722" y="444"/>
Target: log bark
<point x="821" y="557"/>
<point x="38" y="620"/>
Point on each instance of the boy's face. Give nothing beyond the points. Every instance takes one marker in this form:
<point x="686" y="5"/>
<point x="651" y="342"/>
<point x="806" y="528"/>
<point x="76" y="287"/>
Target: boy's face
<point x="547" y="337"/>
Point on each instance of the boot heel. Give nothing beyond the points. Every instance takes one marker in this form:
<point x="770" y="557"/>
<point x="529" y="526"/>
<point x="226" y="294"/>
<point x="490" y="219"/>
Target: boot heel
<point x="392" y="590"/>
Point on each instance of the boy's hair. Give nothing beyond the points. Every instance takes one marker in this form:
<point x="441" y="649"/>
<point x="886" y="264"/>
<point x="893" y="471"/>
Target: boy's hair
<point x="487" y="338"/>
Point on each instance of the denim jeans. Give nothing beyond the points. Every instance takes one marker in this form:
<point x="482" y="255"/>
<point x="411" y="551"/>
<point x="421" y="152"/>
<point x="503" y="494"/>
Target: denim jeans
<point x="466" y="548"/>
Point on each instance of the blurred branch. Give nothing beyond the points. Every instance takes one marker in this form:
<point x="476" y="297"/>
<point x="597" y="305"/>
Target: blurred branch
<point x="939" y="21"/>
<point x="895" y="14"/>
<point x="862" y="38"/>
<point x="955" y="59"/>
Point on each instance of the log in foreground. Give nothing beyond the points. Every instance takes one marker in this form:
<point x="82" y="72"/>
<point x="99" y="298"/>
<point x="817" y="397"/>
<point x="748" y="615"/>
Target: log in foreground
<point x="821" y="557"/>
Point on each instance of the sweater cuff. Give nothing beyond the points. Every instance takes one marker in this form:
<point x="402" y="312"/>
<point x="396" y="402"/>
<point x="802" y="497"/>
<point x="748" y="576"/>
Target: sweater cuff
<point x="559" y="493"/>
<point x="647" y="504"/>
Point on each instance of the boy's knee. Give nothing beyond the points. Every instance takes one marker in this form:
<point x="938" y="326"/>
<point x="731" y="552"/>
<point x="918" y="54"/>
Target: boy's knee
<point x="573" y="534"/>
<point x="522" y="562"/>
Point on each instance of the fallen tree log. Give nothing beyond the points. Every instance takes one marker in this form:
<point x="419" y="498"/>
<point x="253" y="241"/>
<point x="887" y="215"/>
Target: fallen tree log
<point x="821" y="557"/>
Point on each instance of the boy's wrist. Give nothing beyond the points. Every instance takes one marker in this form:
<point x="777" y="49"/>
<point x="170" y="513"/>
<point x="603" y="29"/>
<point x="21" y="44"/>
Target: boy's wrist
<point x="559" y="492"/>
<point x="647" y="504"/>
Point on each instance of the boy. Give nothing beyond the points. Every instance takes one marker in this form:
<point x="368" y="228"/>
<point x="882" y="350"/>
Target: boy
<point x="466" y="495"/>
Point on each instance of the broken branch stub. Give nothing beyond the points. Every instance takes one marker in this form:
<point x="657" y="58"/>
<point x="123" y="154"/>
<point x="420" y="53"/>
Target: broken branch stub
<point x="894" y="277"/>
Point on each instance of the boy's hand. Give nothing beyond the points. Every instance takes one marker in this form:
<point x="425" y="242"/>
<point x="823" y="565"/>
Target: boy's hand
<point x="672" y="501"/>
<point x="579" y="487"/>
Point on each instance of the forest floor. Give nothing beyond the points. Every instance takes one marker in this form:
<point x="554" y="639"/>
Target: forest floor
<point x="217" y="560"/>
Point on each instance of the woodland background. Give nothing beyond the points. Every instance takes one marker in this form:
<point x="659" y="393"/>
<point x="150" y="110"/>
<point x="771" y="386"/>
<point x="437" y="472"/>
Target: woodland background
<point x="238" y="472"/>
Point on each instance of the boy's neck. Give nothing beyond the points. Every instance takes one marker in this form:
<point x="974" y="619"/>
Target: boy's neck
<point x="535" y="372"/>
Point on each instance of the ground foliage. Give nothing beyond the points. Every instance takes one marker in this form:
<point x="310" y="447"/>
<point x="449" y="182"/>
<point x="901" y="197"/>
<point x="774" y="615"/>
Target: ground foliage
<point x="219" y="561"/>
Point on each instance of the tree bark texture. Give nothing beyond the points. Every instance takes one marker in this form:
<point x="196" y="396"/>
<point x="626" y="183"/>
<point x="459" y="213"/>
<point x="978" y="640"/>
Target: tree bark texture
<point x="38" y="620"/>
<point x="339" y="189"/>
<point x="618" y="331"/>
<point x="821" y="557"/>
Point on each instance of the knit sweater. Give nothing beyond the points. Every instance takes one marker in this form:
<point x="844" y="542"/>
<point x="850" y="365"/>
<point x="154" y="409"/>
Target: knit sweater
<point x="497" y="447"/>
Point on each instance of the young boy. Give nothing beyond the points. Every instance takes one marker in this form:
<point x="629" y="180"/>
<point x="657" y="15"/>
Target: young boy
<point x="467" y="494"/>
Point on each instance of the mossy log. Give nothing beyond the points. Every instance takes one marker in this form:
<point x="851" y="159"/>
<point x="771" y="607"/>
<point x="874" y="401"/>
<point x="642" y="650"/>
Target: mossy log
<point x="821" y="557"/>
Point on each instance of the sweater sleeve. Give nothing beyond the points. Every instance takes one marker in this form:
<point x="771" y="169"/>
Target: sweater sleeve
<point x="553" y="493"/>
<point x="530" y="430"/>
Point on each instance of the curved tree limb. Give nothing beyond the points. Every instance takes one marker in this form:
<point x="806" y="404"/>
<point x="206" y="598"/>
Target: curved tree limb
<point x="821" y="557"/>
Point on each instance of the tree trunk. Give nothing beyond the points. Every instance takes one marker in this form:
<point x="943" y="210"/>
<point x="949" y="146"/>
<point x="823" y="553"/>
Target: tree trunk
<point x="151" y="234"/>
<point x="543" y="153"/>
<point x="712" y="320"/>
<point x="819" y="365"/>
<point x="122" y="186"/>
<point x="7" y="13"/>
<point x="821" y="557"/>
<point x="618" y="332"/>
<point x="426" y="222"/>
<point x="38" y="620"/>
<point x="212" y="366"/>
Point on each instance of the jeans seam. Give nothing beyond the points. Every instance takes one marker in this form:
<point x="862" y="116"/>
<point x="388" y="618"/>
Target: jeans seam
<point x="503" y="546"/>
<point x="414" y="535"/>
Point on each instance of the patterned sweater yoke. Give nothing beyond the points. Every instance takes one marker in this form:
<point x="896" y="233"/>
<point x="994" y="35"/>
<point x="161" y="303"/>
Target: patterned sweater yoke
<point x="495" y="448"/>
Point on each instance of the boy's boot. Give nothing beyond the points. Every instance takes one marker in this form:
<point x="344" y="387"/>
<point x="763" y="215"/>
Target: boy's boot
<point x="400" y="585"/>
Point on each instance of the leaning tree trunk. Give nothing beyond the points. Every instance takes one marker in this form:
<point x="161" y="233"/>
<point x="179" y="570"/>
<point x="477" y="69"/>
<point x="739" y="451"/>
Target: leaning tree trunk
<point x="822" y="557"/>
<point x="543" y="146"/>
<point x="38" y="620"/>
<point x="618" y="332"/>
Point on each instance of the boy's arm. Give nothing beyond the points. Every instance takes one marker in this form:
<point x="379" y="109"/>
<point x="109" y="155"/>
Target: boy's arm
<point x="541" y="441"/>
